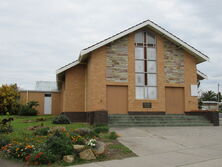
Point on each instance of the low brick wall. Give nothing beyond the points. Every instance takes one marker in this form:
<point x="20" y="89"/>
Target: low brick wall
<point x="212" y="116"/>
<point x="93" y="118"/>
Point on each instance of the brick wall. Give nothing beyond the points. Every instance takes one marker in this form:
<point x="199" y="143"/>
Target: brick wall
<point x="74" y="89"/>
<point x="96" y="80"/>
<point x="39" y="96"/>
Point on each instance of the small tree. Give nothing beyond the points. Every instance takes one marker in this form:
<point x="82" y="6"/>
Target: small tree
<point x="208" y="96"/>
<point x="9" y="96"/>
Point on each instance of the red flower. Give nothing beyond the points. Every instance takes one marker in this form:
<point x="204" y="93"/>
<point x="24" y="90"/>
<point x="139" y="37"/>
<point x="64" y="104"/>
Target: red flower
<point x="27" y="157"/>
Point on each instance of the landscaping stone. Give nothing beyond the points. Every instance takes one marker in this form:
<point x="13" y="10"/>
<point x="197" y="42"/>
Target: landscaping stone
<point x="69" y="158"/>
<point x="78" y="147"/>
<point x="87" y="155"/>
<point x="83" y="131"/>
<point x="99" y="148"/>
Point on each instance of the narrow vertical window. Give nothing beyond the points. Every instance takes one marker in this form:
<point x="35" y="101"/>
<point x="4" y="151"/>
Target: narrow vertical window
<point x="145" y="65"/>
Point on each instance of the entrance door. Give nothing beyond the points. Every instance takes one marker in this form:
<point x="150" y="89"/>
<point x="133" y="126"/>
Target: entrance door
<point x="117" y="99"/>
<point x="48" y="104"/>
<point x="174" y="100"/>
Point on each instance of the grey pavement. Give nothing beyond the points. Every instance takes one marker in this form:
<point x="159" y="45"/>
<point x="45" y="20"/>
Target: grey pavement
<point x="169" y="147"/>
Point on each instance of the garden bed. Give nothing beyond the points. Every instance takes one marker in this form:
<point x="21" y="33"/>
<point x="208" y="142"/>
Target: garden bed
<point x="35" y="140"/>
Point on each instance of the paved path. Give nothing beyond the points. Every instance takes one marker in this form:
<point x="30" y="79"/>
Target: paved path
<point x="169" y="147"/>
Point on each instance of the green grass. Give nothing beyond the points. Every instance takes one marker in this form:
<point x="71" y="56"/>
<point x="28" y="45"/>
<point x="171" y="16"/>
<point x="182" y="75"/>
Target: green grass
<point x="20" y="128"/>
<point x="121" y="148"/>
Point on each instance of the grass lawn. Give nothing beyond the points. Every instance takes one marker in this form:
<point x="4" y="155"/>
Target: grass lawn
<point x="21" y="132"/>
<point x="21" y="125"/>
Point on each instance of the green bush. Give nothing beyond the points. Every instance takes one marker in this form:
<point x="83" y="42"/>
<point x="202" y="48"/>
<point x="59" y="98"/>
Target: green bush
<point x="101" y="129"/>
<point x="61" y="119"/>
<point x="4" y="141"/>
<point x="42" y="131"/>
<point x="29" y="109"/>
<point x="59" y="144"/>
<point x="5" y="125"/>
<point x="113" y="135"/>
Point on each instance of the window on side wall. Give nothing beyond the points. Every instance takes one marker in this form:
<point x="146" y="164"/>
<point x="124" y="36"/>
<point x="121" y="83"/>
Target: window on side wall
<point x="145" y="65"/>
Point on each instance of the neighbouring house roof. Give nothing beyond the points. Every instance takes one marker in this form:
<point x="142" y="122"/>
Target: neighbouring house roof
<point x="201" y="75"/>
<point x="84" y="53"/>
<point x="211" y="102"/>
<point x="46" y="86"/>
<point x="43" y="86"/>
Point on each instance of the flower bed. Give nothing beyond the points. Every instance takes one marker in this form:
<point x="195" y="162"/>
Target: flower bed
<point x="63" y="145"/>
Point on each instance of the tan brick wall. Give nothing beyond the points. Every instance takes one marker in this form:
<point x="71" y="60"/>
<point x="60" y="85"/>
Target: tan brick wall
<point x="39" y="96"/>
<point x="96" y="80"/>
<point x="74" y="90"/>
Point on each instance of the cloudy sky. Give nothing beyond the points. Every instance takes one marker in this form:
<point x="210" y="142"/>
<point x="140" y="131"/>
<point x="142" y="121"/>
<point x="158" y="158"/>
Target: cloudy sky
<point x="39" y="36"/>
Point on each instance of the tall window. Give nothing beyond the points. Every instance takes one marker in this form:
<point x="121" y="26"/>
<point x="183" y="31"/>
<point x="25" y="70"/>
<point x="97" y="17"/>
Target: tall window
<point x="145" y="65"/>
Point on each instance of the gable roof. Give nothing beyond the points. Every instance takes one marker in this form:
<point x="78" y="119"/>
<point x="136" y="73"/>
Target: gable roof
<point x="196" y="53"/>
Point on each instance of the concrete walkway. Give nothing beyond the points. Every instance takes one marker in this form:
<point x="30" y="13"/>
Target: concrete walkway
<point x="169" y="147"/>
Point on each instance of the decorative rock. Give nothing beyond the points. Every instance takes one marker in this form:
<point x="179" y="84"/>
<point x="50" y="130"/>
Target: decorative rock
<point x="87" y="155"/>
<point x="69" y="158"/>
<point x="78" y="147"/>
<point x="99" y="148"/>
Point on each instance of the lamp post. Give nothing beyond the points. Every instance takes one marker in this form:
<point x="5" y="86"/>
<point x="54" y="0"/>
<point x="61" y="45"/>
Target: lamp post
<point x="218" y="96"/>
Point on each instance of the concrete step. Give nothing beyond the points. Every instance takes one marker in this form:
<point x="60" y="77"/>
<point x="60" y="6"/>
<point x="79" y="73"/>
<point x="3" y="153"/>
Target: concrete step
<point x="159" y="125"/>
<point x="157" y="120"/>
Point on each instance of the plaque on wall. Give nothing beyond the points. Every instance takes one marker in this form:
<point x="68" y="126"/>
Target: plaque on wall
<point x="147" y="105"/>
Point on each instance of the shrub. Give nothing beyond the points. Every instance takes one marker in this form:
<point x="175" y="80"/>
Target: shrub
<point x="59" y="144"/>
<point x="101" y="129"/>
<point x="61" y="119"/>
<point x="29" y="109"/>
<point x="5" y="125"/>
<point x="8" y="98"/>
<point x="4" y="141"/>
<point x="113" y="135"/>
<point x="42" y="131"/>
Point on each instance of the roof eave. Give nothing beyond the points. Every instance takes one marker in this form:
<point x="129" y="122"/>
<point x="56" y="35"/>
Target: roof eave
<point x="200" y="56"/>
<point x="58" y="71"/>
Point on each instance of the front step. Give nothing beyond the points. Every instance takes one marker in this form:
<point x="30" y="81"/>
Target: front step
<point x="119" y="120"/>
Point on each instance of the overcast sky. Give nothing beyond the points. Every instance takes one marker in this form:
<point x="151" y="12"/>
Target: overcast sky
<point x="39" y="36"/>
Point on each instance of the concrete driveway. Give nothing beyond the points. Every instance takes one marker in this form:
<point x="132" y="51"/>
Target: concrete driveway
<point x="169" y="147"/>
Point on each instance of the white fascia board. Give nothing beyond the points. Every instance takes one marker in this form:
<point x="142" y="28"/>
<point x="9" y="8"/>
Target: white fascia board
<point x="67" y="67"/>
<point x="146" y="23"/>
<point x="201" y="74"/>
